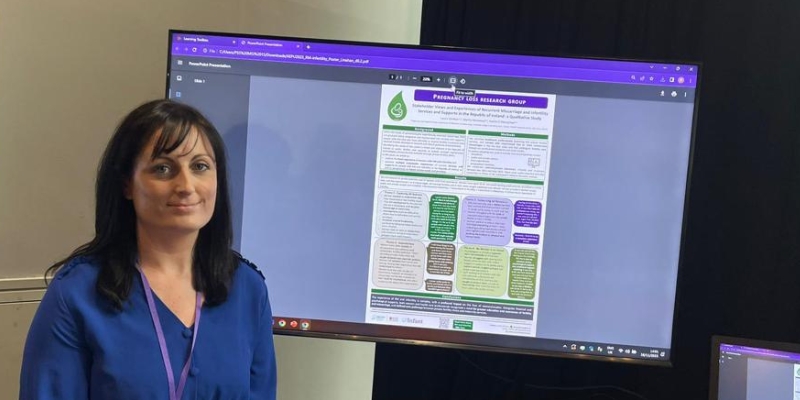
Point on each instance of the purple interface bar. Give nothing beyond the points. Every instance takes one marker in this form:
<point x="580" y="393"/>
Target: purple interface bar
<point x="755" y="351"/>
<point x="434" y="61"/>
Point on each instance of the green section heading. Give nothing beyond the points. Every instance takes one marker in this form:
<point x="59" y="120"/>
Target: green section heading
<point x="509" y="134"/>
<point x="423" y="129"/>
<point x="463" y="178"/>
<point x="453" y="297"/>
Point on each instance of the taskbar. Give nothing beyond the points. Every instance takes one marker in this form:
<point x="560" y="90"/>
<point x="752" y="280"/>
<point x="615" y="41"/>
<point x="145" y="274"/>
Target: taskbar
<point x="470" y="340"/>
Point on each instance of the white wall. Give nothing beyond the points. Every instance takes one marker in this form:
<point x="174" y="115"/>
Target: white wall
<point x="387" y="21"/>
<point x="69" y="70"/>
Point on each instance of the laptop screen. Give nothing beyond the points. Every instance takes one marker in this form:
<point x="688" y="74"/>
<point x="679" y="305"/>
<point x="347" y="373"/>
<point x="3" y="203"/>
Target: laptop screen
<point x="755" y="370"/>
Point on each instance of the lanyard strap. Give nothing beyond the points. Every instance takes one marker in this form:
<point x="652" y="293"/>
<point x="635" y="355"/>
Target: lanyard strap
<point x="174" y="393"/>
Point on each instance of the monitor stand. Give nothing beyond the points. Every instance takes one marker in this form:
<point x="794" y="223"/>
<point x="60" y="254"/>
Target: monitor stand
<point x="311" y="368"/>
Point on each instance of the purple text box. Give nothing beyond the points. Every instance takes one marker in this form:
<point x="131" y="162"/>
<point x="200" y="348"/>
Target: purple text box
<point x="439" y="96"/>
<point x="528" y="214"/>
<point x="486" y="220"/>
<point x="526" y="238"/>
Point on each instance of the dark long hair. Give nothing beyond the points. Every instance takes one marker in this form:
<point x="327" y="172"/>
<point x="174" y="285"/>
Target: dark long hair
<point x="114" y="246"/>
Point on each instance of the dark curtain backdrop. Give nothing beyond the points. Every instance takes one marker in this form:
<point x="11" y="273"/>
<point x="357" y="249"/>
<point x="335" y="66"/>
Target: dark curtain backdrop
<point x="741" y="265"/>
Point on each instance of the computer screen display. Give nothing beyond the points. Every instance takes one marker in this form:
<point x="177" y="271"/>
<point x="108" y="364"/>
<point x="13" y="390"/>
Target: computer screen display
<point x="743" y="369"/>
<point x="456" y="197"/>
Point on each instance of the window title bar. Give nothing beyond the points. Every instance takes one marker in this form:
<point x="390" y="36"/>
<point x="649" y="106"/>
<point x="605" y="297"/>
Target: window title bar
<point x="434" y="60"/>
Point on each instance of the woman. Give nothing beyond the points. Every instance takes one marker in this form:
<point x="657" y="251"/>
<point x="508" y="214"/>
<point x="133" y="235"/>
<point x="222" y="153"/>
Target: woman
<point x="157" y="305"/>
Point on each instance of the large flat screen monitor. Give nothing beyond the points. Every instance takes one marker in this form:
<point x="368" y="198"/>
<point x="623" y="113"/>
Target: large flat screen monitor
<point x="456" y="197"/>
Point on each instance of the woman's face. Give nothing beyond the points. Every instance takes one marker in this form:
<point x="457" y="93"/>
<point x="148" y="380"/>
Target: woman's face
<point x="174" y="192"/>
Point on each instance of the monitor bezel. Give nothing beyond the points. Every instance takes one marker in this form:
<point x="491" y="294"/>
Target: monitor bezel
<point x="381" y="339"/>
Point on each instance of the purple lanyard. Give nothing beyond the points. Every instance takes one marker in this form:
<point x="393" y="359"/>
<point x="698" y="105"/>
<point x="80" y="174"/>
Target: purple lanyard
<point x="173" y="393"/>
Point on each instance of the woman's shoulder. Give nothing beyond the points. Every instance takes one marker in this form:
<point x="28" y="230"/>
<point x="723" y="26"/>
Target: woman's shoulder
<point x="74" y="283"/>
<point x="249" y="290"/>
<point x="248" y="274"/>
<point x="81" y="269"/>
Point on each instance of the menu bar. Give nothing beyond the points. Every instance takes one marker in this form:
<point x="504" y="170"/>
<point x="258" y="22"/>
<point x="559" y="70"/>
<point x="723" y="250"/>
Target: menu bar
<point x="434" y="61"/>
<point x="760" y="352"/>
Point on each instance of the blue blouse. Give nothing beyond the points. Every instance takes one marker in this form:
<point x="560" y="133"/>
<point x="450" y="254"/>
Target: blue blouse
<point x="79" y="348"/>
